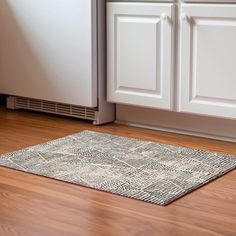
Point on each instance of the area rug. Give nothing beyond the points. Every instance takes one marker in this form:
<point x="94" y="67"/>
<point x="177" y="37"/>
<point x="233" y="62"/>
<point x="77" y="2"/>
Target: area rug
<point x="148" y="171"/>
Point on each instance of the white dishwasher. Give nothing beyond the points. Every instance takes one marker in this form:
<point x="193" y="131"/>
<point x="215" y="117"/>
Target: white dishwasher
<point x="52" y="57"/>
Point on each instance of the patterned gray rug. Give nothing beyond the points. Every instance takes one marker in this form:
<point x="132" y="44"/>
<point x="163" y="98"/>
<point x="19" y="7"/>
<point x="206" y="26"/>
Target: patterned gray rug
<point x="148" y="171"/>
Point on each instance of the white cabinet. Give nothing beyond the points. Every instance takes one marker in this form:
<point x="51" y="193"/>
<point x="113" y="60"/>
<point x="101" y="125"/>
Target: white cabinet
<point x="208" y="60"/>
<point x="139" y="63"/>
<point x="146" y="62"/>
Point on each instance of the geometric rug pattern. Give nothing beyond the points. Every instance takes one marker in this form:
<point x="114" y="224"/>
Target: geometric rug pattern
<point x="148" y="171"/>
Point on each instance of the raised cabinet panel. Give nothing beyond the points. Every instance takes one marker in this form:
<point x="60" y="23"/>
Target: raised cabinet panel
<point x="208" y="60"/>
<point x="140" y="54"/>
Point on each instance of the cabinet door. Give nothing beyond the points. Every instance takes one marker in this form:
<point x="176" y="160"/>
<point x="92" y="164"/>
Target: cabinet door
<point x="208" y="60"/>
<point x="140" y="54"/>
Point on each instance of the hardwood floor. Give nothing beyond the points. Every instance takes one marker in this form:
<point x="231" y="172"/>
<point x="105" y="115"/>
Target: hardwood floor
<point x="31" y="205"/>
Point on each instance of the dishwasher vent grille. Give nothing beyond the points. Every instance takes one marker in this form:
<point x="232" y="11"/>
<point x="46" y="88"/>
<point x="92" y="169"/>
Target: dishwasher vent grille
<point x="15" y="102"/>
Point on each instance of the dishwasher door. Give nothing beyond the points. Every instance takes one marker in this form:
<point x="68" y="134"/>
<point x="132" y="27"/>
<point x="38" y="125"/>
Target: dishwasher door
<point x="49" y="50"/>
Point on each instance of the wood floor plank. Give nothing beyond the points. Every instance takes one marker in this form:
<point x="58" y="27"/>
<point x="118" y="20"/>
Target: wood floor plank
<point x="34" y="205"/>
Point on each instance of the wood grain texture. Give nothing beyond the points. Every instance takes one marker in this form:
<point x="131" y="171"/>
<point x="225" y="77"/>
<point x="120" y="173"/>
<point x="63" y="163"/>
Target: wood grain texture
<point x="31" y="205"/>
